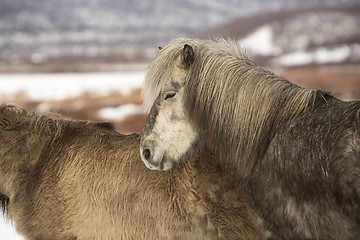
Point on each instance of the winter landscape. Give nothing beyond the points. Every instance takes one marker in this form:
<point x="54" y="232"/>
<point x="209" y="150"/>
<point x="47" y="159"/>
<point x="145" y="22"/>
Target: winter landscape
<point x="87" y="60"/>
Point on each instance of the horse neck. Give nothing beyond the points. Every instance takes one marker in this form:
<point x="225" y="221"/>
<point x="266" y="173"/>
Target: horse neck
<point x="241" y="125"/>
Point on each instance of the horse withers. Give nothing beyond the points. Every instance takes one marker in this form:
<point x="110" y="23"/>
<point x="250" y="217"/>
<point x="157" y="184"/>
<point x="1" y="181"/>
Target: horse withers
<point x="63" y="179"/>
<point x="297" y="150"/>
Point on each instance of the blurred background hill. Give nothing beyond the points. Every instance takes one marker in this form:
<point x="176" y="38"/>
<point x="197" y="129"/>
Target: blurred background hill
<point x="309" y="35"/>
<point x="313" y="43"/>
<point x="86" y="59"/>
<point x="103" y="35"/>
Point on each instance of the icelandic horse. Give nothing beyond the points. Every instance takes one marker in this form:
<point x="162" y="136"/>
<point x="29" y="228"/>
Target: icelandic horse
<point x="76" y="180"/>
<point x="296" y="150"/>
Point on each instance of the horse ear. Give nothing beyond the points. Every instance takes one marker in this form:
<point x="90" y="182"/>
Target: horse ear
<point x="187" y="56"/>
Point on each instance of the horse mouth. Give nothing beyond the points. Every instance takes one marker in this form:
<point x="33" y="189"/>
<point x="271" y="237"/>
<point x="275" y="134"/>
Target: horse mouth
<point x="164" y="164"/>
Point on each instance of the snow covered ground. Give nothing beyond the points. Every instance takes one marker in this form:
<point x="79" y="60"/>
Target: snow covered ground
<point x="44" y="87"/>
<point x="319" y="56"/>
<point x="261" y="42"/>
<point x="7" y="231"/>
<point x="121" y="112"/>
<point x="60" y="86"/>
<point x="47" y="88"/>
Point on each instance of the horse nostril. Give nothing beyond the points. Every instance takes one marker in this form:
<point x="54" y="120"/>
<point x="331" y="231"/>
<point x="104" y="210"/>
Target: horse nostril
<point x="146" y="154"/>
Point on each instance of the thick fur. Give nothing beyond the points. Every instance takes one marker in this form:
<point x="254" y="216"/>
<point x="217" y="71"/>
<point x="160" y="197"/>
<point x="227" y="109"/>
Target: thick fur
<point x="297" y="150"/>
<point x="81" y="180"/>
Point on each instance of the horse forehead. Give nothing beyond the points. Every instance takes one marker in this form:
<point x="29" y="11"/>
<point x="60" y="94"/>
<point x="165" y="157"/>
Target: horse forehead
<point x="172" y="83"/>
<point x="163" y="74"/>
<point x="176" y="84"/>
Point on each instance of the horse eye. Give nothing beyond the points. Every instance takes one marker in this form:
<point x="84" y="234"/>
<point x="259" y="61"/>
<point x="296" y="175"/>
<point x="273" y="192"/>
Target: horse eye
<point x="170" y="95"/>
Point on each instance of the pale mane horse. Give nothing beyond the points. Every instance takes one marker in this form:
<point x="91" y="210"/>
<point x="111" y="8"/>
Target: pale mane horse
<point x="63" y="179"/>
<point x="296" y="150"/>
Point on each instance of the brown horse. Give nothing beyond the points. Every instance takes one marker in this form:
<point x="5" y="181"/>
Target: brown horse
<point x="63" y="179"/>
<point x="296" y="150"/>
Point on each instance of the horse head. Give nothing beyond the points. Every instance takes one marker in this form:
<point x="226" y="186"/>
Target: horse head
<point x="168" y="134"/>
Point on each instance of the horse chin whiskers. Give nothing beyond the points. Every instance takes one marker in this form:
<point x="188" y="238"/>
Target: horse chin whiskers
<point x="168" y="164"/>
<point x="149" y="165"/>
<point x="164" y="164"/>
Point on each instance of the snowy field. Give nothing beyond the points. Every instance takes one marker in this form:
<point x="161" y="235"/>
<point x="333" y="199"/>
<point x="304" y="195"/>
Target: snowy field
<point x="79" y="93"/>
<point x="7" y="231"/>
<point x="44" y="87"/>
<point x="60" y="86"/>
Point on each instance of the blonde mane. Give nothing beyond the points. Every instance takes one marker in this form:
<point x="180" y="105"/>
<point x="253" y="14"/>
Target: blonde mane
<point x="14" y="118"/>
<point x="237" y="103"/>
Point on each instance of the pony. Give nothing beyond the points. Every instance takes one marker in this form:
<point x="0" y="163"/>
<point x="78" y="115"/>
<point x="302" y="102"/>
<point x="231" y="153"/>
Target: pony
<point x="71" y="180"/>
<point x="296" y="150"/>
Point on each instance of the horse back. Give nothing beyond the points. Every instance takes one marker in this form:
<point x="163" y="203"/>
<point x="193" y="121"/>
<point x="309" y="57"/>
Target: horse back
<point x="317" y="155"/>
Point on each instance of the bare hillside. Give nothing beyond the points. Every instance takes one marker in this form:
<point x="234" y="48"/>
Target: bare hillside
<point x="297" y="37"/>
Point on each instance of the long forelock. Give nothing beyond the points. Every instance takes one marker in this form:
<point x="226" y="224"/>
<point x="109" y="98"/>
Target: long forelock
<point x="160" y="70"/>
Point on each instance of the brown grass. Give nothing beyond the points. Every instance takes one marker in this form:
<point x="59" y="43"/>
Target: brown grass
<point x="342" y="80"/>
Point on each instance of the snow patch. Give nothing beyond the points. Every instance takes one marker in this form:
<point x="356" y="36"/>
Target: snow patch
<point x="319" y="56"/>
<point x="7" y="231"/>
<point x="60" y="86"/>
<point x="260" y="42"/>
<point x="121" y="112"/>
